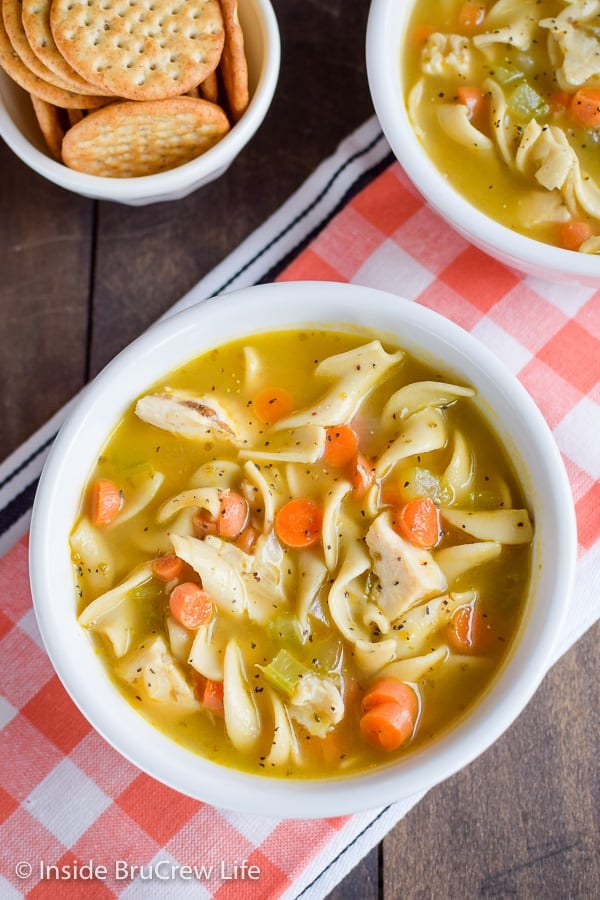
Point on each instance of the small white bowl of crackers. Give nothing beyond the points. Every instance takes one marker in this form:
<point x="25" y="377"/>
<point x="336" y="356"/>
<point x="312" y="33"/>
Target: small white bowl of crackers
<point x="134" y="101"/>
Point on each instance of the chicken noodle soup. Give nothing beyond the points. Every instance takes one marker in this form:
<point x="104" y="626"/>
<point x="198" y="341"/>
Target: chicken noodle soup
<point x="303" y="554"/>
<point x="505" y="97"/>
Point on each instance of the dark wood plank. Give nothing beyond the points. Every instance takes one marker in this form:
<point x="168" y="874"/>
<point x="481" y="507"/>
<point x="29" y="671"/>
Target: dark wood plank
<point x="45" y="241"/>
<point x="522" y="820"/>
<point x="363" y="882"/>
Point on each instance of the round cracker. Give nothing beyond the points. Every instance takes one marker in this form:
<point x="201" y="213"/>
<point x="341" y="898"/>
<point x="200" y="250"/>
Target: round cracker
<point x="36" y="24"/>
<point x="75" y="115"/>
<point x="234" y="67"/>
<point x="13" y="65"/>
<point x="49" y="120"/>
<point x="209" y="88"/>
<point x="130" y="139"/>
<point x="140" y="49"/>
<point x="13" y="22"/>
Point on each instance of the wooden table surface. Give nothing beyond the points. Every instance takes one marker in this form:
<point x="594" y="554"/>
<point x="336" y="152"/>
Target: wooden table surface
<point x="79" y="279"/>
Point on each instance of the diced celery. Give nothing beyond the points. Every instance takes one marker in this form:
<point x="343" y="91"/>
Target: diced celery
<point x="136" y="471"/>
<point x="149" y="600"/>
<point x="506" y="75"/>
<point x="325" y="655"/>
<point x="286" y="628"/>
<point x="284" y="672"/>
<point x="525" y="103"/>
<point x="148" y="592"/>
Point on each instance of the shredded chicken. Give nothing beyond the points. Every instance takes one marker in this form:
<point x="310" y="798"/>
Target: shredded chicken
<point x="317" y="705"/>
<point x="184" y="414"/>
<point x="446" y="54"/>
<point x="578" y="44"/>
<point x="406" y="574"/>
<point x="155" y="675"/>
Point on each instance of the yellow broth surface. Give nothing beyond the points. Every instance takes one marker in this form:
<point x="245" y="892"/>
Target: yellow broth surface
<point x="526" y="77"/>
<point x="332" y="607"/>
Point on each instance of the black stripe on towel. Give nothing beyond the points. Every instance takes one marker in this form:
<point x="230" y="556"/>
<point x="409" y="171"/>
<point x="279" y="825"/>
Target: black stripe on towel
<point x="17" y="507"/>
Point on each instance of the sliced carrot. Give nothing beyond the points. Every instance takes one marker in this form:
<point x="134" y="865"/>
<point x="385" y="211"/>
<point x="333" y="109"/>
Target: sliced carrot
<point x="473" y="98"/>
<point x="363" y="475"/>
<point x="272" y="404"/>
<point x="199" y="683"/>
<point x="466" y="631"/>
<point x="418" y="522"/>
<point x="203" y="523"/>
<point x="212" y="696"/>
<point x="167" y="567"/>
<point x="459" y="629"/>
<point x="191" y="605"/>
<point x="571" y="235"/>
<point x="209" y="692"/>
<point x="231" y="518"/>
<point x="585" y="107"/>
<point x="233" y="514"/>
<point x="387" y="725"/>
<point x="421" y="33"/>
<point x="247" y="538"/>
<point x="298" y="522"/>
<point x="471" y="15"/>
<point x="559" y="101"/>
<point x="391" y="690"/>
<point x="341" y="445"/>
<point x="107" y="501"/>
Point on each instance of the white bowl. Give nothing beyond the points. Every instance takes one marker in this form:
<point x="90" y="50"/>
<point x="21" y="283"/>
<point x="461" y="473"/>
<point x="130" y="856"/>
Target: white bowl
<point x="271" y="307"/>
<point x="19" y="129"/>
<point x="385" y="37"/>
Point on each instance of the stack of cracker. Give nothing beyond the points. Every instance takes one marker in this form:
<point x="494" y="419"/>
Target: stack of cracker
<point x="126" y="88"/>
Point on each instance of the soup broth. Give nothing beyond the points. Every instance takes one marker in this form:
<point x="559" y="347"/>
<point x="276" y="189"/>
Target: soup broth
<point x="505" y="98"/>
<point x="303" y="554"/>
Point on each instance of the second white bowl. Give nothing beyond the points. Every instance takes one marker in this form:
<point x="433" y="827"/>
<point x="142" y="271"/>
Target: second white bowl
<point x="386" y="36"/>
